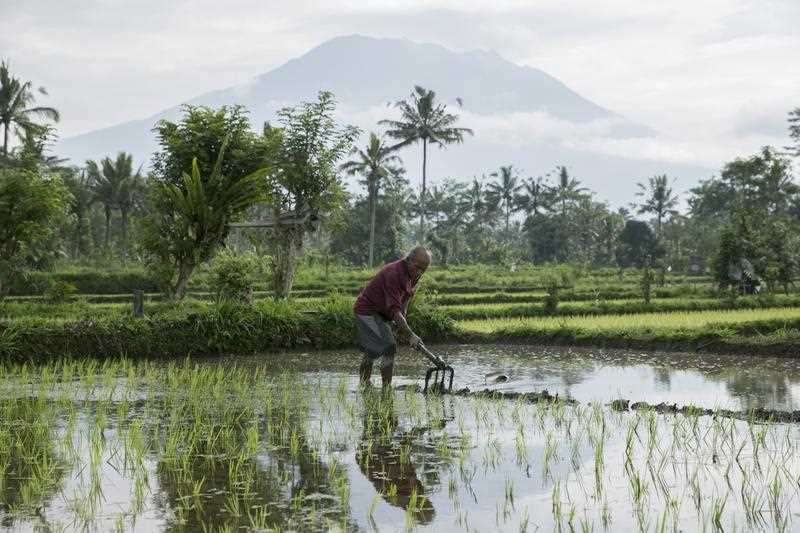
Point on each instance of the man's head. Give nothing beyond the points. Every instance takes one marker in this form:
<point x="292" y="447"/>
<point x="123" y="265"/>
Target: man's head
<point x="418" y="260"/>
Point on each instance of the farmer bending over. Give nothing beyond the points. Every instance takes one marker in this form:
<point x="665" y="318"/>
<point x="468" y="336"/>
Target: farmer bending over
<point x="384" y="299"/>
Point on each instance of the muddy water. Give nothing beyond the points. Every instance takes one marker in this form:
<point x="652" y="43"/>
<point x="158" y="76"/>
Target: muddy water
<point x="247" y="446"/>
<point x="713" y="381"/>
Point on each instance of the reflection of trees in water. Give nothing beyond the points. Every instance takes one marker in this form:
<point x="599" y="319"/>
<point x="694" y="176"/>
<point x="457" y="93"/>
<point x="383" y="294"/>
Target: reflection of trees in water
<point x="753" y="381"/>
<point x="389" y="456"/>
<point x="30" y="471"/>
<point x="245" y="487"/>
<point x="663" y="376"/>
<point x="756" y="389"/>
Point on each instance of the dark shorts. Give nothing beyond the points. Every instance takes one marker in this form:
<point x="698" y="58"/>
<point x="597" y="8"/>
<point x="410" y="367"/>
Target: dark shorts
<point x="375" y="336"/>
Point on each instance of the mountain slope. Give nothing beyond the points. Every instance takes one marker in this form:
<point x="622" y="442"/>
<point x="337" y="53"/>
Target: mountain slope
<point x="514" y="110"/>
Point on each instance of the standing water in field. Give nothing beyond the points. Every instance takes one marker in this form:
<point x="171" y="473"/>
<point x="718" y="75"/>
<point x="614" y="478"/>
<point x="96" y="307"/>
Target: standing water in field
<point x="735" y="382"/>
<point x="243" y="443"/>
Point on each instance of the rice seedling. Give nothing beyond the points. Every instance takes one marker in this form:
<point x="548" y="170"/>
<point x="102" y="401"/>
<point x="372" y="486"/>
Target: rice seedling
<point x="226" y="446"/>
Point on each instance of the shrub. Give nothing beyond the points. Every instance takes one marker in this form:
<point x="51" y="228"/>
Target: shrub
<point x="59" y="292"/>
<point x="646" y="284"/>
<point x="553" y="296"/>
<point x="31" y="210"/>
<point x="232" y="275"/>
<point x="224" y="327"/>
<point x="86" y="280"/>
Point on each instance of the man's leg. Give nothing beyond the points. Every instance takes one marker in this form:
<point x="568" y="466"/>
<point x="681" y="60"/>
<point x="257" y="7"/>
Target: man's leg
<point x="387" y="370"/>
<point x="387" y="365"/>
<point x="365" y="370"/>
<point x="376" y="340"/>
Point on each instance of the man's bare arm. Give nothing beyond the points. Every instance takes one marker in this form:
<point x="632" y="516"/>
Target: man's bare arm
<point x="401" y="322"/>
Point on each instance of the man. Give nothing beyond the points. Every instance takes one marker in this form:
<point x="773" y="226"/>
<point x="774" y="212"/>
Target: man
<point x="385" y="299"/>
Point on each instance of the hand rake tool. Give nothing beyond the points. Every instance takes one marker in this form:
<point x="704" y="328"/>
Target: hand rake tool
<point x="441" y="372"/>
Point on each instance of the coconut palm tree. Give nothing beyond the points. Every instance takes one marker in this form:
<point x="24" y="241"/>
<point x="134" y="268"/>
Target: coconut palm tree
<point x="17" y="109"/>
<point x="426" y="120"/>
<point x="130" y="195"/>
<point x="376" y="164"/>
<point x="80" y="203"/>
<point x="658" y="199"/>
<point x="505" y="191"/>
<point x="536" y="196"/>
<point x="567" y="189"/>
<point x="480" y="203"/>
<point x="110" y="181"/>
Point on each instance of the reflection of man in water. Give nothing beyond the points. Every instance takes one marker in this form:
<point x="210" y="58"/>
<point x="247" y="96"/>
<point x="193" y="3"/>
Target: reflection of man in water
<point x="381" y="464"/>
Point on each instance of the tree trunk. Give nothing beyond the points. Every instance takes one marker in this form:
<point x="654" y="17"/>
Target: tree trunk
<point x="289" y="244"/>
<point x="5" y="140"/>
<point x="422" y="194"/>
<point x="184" y="273"/>
<point x="108" y="228"/>
<point x="371" y="224"/>
<point x="124" y="234"/>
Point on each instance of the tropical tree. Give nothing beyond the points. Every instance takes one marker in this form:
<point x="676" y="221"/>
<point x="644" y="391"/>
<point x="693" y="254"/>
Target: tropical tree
<point x="505" y="191"/>
<point x="450" y="214"/>
<point x="114" y="185"/>
<point x="535" y="197"/>
<point x="190" y="221"/>
<point x="794" y="132"/>
<point x="30" y="208"/>
<point x="425" y="120"/>
<point x="658" y="200"/>
<point x="304" y="184"/>
<point x="80" y="204"/>
<point x="199" y="135"/>
<point x="567" y="190"/>
<point x="376" y="164"/>
<point x="480" y="203"/>
<point x="637" y="245"/>
<point x="353" y="223"/>
<point x="130" y="196"/>
<point x="17" y="107"/>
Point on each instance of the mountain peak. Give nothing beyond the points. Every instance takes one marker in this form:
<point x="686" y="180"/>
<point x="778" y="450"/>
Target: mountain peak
<point x="511" y="107"/>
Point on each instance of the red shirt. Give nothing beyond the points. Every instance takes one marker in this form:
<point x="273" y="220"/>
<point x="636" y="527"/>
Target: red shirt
<point x="388" y="292"/>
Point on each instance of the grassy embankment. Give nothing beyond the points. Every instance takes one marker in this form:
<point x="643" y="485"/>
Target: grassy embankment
<point x="598" y="308"/>
<point x="773" y="331"/>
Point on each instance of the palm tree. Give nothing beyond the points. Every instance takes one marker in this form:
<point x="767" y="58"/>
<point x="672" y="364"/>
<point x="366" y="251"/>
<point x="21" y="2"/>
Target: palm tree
<point x="505" y="191"/>
<point x="17" y="109"/>
<point x="130" y="194"/>
<point x="376" y="165"/>
<point x="567" y="189"/>
<point x="82" y="196"/>
<point x="535" y="196"/>
<point x="659" y="199"/>
<point x="424" y="119"/>
<point x="109" y="183"/>
<point x="480" y="203"/>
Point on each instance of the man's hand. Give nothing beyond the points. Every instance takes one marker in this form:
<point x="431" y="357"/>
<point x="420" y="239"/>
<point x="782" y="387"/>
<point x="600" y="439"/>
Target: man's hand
<point x="414" y="341"/>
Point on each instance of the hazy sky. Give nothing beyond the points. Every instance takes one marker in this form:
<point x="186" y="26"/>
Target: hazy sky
<point x="720" y="74"/>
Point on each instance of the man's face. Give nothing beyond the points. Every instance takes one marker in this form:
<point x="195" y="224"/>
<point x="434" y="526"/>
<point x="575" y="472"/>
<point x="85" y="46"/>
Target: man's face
<point x="417" y="267"/>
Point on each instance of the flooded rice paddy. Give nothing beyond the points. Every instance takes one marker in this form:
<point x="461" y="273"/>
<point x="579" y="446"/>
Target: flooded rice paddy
<point x="290" y="442"/>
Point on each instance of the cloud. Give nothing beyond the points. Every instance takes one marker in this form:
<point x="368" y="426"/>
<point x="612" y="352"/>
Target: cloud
<point x="712" y="76"/>
<point x="521" y="129"/>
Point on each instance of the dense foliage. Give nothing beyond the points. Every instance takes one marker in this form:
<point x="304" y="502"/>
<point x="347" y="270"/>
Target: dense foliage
<point x="190" y="221"/>
<point x="30" y="208"/>
<point x="741" y="225"/>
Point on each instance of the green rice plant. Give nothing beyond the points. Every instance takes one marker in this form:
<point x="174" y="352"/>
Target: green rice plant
<point x="653" y="326"/>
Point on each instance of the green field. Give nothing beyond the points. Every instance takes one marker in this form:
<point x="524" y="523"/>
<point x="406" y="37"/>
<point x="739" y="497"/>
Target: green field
<point x="470" y="303"/>
<point x="634" y="324"/>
